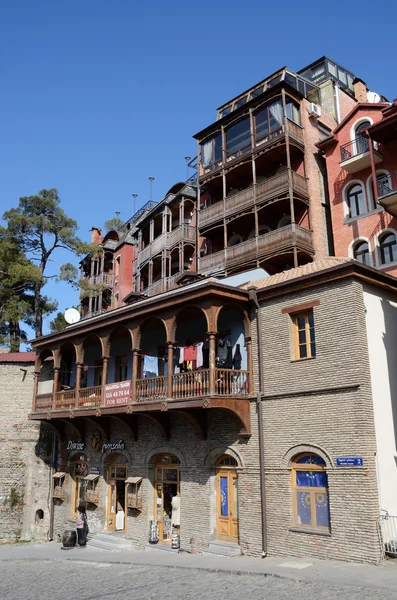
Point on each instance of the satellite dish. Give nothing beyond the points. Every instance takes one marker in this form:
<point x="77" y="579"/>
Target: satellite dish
<point x="72" y="316"/>
<point x="373" y="97"/>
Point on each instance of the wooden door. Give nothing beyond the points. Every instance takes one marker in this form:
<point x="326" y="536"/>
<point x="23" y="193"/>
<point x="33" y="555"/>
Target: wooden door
<point x="227" y="505"/>
<point x="167" y="485"/>
<point x="116" y="496"/>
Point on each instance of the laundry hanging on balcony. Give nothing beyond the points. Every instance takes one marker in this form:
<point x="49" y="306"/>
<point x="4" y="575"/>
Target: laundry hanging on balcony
<point x="224" y="357"/>
<point x="150" y="366"/>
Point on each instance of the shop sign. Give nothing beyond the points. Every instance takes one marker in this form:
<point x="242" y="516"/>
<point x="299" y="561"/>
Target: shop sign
<point x="75" y="445"/>
<point x="94" y="471"/>
<point x="350" y="461"/>
<point x="118" y="394"/>
<point x="96" y="440"/>
<point x="112" y="446"/>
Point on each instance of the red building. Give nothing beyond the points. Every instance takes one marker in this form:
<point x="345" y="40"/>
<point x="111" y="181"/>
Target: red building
<point x="361" y="149"/>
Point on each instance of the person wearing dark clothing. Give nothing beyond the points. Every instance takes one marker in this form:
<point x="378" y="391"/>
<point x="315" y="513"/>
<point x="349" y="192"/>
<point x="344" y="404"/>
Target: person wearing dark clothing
<point x="237" y="358"/>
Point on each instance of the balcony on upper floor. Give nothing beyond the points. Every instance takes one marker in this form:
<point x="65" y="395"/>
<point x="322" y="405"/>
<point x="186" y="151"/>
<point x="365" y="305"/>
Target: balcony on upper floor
<point x="165" y="356"/>
<point x="269" y="189"/>
<point x="166" y="241"/>
<point x="103" y="278"/>
<point x="356" y="155"/>
<point x="259" y="249"/>
<point x="387" y="192"/>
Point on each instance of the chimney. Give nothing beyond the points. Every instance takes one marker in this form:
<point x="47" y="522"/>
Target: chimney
<point x="96" y="236"/>
<point x="360" y="90"/>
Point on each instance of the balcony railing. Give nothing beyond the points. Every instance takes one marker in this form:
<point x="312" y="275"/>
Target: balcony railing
<point x="269" y="188"/>
<point x="266" y="245"/>
<point x="167" y="241"/>
<point x="387" y="184"/>
<point x="192" y="384"/>
<point x="358" y="146"/>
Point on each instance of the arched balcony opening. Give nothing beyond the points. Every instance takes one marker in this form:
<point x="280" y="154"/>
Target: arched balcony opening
<point x="188" y="212"/>
<point x="238" y="179"/>
<point x="144" y="277"/>
<point x="191" y="354"/>
<point x="157" y="226"/>
<point x="91" y="373"/>
<point x="44" y="380"/>
<point x="152" y="368"/>
<point x="156" y="269"/>
<point x="233" y="352"/>
<point x="175" y="210"/>
<point x="211" y="194"/>
<point x="120" y="361"/>
<point x="188" y="257"/>
<point x="65" y="377"/>
<point x="174" y="262"/>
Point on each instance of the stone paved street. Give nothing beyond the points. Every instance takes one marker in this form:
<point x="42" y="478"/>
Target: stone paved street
<point x="66" y="580"/>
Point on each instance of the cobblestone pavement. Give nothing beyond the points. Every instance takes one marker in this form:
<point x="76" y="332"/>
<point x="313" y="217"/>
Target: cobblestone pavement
<point x="66" y="580"/>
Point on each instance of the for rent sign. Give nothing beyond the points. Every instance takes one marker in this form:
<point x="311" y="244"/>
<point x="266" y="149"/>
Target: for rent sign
<point x="117" y="394"/>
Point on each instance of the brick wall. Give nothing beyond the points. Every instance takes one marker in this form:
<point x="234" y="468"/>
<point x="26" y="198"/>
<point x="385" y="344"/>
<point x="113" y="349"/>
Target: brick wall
<point x="322" y="405"/>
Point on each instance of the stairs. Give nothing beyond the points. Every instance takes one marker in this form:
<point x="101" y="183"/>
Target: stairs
<point x="160" y="548"/>
<point x="218" y="548"/>
<point x="115" y="542"/>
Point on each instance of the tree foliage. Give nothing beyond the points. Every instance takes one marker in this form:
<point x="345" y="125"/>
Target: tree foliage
<point x="40" y="227"/>
<point x="114" y="224"/>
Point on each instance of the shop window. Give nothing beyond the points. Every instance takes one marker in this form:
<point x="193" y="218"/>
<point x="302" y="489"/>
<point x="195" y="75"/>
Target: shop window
<point x="304" y="334"/>
<point x="310" y="493"/>
<point x="121" y="367"/>
<point x="388" y="248"/>
<point x="361" y="253"/>
<point x="59" y="486"/>
<point x="80" y="471"/>
<point x="355" y="200"/>
<point x="91" y="493"/>
<point x="134" y="492"/>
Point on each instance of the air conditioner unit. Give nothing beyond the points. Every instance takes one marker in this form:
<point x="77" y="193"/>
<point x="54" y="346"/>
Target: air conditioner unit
<point x="314" y="110"/>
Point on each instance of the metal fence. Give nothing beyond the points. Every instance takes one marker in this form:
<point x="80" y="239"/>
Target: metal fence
<point x="388" y="532"/>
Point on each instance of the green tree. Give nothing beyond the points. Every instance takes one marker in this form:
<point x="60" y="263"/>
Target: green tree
<point x="58" y="323"/>
<point x="41" y="227"/>
<point x="18" y="278"/>
<point x="114" y="224"/>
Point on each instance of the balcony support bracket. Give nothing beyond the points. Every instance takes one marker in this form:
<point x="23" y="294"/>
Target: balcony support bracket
<point x="240" y="408"/>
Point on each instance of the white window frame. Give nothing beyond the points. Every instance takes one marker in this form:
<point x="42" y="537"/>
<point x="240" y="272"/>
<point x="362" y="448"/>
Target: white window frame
<point x="378" y="257"/>
<point x="346" y="210"/>
<point x="356" y="240"/>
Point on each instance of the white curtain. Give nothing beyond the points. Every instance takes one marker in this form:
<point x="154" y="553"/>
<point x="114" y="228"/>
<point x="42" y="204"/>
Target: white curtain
<point x="206" y="149"/>
<point x="276" y="112"/>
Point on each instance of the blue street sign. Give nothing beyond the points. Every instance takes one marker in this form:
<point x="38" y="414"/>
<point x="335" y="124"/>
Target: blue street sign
<point x="350" y="461"/>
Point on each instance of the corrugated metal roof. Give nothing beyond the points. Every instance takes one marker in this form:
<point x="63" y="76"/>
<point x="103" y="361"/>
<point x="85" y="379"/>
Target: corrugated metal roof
<point x="17" y="357"/>
<point x="310" y="269"/>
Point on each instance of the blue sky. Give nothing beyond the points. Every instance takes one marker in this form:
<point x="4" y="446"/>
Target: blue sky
<point x="99" y="95"/>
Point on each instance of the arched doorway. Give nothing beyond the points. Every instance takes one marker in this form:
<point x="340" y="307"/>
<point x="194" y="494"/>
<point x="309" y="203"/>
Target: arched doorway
<point x="117" y="474"/>
<point x="227" y="499"/>
<point x="79" y="471"/>
<point x="167" y="487"/>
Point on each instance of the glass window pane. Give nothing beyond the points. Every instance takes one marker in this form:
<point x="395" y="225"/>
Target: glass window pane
<point x="257" y="91"/>
<point x="303" y="501"/>
<point x="302" y="337"/>
<point x="302" y="351"/>
<point x="301" y="322"/>
<point x="241" y="102"/>
<point x="317" y="460"/>
<point x="322" y="510"/>
<point x="261" y="123"/>
<point x="224" y="496"/>
<point x="305" y="459"/>
<point x="303" y="479"/>
<point x="313" y="349"/>
<point x="226" y="111"/>
<point x="275" y="115"/>
<point x="311" y="319"/>
<point x="170" y="475"/>
<point x="238" y="136"/>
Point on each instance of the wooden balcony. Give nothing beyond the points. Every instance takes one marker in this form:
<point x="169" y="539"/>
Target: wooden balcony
<point x="265" y="246"/>
<point x="162" y="285"/>
<point x="190" y="390"/>
<point x="258" y="194"/>
<point x="102" y="279"/>
<point x="166" y="241"/>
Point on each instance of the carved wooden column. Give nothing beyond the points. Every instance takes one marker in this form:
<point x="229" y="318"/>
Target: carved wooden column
<point x="170" y="356"/>
<point x="248" y="343"/>
<point x="79" y="369"/>
<point x="105" y="369"/>
<point x="212" y="360"/>
<point x="35" y="388"/>
<point x="134" y="377"/>
<point x="55" y="387"/>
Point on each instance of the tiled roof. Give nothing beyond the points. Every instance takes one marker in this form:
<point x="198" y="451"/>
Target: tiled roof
<point x="310" y="269"/>
<point x="21" y="357"/>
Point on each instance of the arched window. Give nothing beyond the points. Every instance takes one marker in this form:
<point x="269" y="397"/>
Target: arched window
<point x="310" y="489"/>
<point x="361" y="141"/>
<point x="355" y="200"/>
<point x="361" y="253"/>
<point x="227" y="461"/>
<point x="388" y="248"/>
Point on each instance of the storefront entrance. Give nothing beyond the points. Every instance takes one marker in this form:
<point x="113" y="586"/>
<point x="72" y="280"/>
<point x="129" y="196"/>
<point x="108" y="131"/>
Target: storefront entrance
<point x="167" y="487"/>
<point x="116" y="516"/>
<point x="227" y="499"/>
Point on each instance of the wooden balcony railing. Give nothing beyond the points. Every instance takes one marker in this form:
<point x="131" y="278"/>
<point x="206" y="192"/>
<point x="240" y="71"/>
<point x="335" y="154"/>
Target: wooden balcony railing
<point x="65" y="399"/>
<point x="153" y="388"/>
<point x="167" y="241"/>
<point x="90" y="396"/>
<point x="191" y="384"/>
<point x="269" y="188"/>
<point x="231" y="383"/>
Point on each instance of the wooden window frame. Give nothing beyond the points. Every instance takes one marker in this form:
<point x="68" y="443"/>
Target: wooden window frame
<point x="308" y="343"/>
<point x="311" y="490"/>
<point x="119" y="365"/>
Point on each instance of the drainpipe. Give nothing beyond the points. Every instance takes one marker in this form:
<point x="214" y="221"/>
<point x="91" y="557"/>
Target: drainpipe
<point x="51" y="499"/>
<point x="254" y="302"/>
<point x="337" y="103"/>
